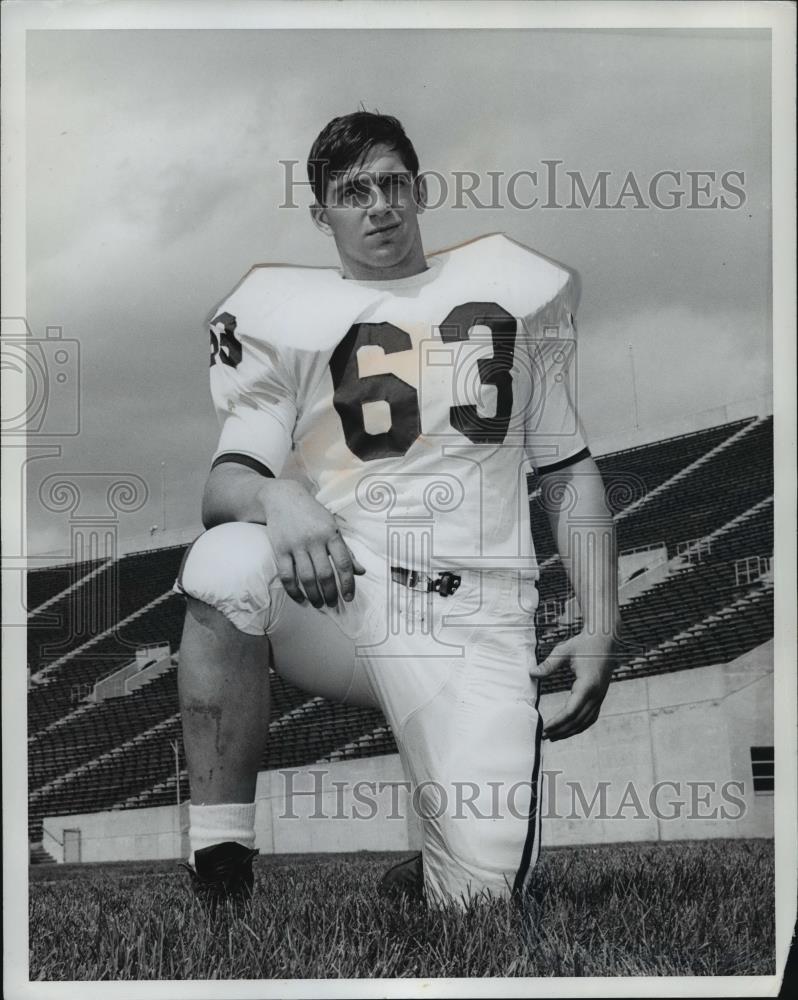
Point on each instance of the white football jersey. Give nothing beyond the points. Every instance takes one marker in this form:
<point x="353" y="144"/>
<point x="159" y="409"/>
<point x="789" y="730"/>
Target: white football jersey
<point x="413" y="407"/>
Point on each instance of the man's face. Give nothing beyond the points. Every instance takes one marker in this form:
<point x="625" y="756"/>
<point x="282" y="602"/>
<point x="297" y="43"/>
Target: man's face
<point x="372" y="213"/>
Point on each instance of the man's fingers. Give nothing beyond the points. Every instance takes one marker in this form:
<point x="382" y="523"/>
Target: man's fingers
<point x="285" y="567"/>
<point x="556" y="658"/>
<point x="359" y="570"/>
<point x="307" y="578"/>
<point x="575" y="703"/>
<point x="343" y="561"/>
<point x="579" y="712"/>
<point x="325" y="576"/>
<point x="572" y="725"/>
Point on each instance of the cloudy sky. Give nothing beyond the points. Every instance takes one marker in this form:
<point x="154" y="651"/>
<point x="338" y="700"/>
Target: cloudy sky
<point x="154" y="182"/>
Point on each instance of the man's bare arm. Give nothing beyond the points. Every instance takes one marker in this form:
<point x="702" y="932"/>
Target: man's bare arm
<point x="584" y="533"/>
<point x="233" y="493"/>
<point x="307" y="544"/>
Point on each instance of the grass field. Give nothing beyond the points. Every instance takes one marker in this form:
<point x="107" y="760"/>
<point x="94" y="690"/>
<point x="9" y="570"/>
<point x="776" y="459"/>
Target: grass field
<point x="696" y="908"/>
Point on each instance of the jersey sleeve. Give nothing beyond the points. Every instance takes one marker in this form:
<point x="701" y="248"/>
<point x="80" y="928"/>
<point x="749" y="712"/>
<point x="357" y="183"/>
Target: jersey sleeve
<point x="553" y="435"/>
<point x="253" y="395"/>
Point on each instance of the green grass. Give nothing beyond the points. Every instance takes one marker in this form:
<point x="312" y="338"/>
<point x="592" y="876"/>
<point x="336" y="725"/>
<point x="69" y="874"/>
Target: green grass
<point x="692" y="908"/>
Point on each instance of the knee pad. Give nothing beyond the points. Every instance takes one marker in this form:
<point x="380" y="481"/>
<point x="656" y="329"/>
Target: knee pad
<point x="232" y="568"/>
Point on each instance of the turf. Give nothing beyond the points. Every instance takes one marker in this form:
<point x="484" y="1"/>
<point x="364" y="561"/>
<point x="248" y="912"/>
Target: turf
<point x="691" y="908"/>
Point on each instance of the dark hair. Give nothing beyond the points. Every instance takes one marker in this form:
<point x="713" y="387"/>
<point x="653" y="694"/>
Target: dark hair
<point x="344" y="142"/>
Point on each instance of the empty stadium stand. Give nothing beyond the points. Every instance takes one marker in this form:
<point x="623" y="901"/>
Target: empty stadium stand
<point x="45" y="583"/>
<point x="706" y="496"/>
<point x="99" y="603"/>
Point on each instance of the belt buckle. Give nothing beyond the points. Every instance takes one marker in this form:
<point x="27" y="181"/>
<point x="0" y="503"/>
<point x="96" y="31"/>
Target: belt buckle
<point x="447" y="583"/>
<point x="417" y="581"/>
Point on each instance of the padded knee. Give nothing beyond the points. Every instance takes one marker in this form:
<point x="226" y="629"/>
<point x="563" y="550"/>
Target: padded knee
<point x="232" y="568"/>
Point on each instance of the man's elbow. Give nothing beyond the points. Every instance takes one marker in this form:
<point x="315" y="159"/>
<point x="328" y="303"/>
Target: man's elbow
<point x="210" y="514"/>
<point x="212" y="506"/>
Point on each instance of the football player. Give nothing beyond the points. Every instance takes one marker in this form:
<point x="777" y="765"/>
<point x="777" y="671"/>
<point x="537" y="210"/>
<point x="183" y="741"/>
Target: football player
<point x="368" y="527"/>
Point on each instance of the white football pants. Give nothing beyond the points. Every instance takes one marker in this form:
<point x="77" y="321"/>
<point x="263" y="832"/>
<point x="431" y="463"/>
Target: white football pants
<point x="451" y="675"/>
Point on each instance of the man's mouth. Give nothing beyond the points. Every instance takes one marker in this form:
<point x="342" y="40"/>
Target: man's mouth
<point x="383" y="229"/>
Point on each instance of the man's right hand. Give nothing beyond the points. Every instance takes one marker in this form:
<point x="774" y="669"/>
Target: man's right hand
<point x="308" y="546"/>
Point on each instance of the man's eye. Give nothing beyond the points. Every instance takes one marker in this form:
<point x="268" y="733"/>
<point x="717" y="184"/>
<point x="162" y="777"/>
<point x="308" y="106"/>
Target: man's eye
<point x="355" y="194"/>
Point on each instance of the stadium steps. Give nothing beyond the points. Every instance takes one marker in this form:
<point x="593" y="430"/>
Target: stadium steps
<point x="376" y="742"/>
<point x="43" y="675"/>
<point x="727" y="484"/>
<point x="708" y="456"/>
<point x="39" y="856"/>
<point x="721" y="619"/>
<point x="315" y="730"/>
<point x="156" y="795"/>
<point x="90" y="731"/>
<point x="95" y="762"/>
<point x="722" y="634"/>
<point x="102" y="600"/>
<point x="61" y="722"/>
<point x="688" y="587"/>
<point x="162" y="623"/>
<point x="681" y="561"/>
<point x="648" y="467"/>
<point x="60" y="788"/>
<point x="78" y="579"/>
<point x="100" y="725"/>
<point x="747" y="515"/>
<point x="543" y="539"/>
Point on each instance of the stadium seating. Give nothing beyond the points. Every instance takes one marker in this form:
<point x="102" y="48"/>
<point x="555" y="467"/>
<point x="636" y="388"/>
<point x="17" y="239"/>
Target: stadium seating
<point x="60" y="691"/>
<point x="120" y="752"/>
<point x="99" y="603"/>
<point x="43" y="584"/>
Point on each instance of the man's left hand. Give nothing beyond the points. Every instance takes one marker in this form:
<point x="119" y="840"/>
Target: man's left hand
<point x="589" y="656"/>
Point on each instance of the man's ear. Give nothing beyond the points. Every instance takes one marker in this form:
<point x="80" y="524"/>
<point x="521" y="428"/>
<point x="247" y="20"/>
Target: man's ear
<point x="420" y="193"/>
<point x="319" y="215"/>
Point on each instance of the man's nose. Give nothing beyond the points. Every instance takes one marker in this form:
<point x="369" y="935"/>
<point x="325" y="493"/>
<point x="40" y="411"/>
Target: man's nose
<point x="379" y="204"/>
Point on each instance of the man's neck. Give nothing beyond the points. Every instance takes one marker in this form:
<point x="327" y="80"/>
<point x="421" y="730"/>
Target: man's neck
<point x="414" y="263"/>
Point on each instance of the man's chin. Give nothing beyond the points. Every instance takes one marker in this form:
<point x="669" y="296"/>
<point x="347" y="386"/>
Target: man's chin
<point x="386" y="255"/>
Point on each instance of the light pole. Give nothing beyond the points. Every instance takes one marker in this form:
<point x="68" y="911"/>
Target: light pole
<point x="163" y="496"/>
<point x="634" y="387"/>
<point x="176" y="747"/>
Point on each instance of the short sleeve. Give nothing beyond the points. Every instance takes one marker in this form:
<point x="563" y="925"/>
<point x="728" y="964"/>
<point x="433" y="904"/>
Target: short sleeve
<point x="552" y="430"/>
<point x="253" y="397"/>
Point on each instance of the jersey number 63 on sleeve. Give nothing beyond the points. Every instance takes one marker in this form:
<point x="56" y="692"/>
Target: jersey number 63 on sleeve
<point x="351" y="392"/>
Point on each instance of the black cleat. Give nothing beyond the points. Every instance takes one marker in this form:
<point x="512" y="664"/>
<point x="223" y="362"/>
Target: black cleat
<point x="404" y="881"/>
<point x="222" y="872"/>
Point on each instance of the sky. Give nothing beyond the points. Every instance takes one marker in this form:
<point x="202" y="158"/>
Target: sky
<point x="154" y="182"/>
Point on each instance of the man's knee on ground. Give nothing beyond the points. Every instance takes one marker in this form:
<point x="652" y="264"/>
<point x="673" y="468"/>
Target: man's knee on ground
<point x="230" y="568"/>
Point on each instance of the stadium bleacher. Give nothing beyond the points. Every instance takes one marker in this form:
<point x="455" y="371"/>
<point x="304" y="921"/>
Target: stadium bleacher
<point x="45" y="583"/>
<point x="118" y="753"/>
<point x="100" y="602"/>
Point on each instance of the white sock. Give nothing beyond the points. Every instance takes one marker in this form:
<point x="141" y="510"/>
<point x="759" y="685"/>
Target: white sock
<point x="209" y="825"/>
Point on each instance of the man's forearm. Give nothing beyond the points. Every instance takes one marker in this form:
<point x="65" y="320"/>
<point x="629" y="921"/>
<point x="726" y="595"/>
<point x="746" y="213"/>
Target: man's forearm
<point x="234" y="493"/>
<point x="584" y="533"/>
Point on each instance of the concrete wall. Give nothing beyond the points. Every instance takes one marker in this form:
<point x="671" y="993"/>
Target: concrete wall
<point x="357" y="805"/>
<point x="122" y="834"/>
<point x="694" y="728"/>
